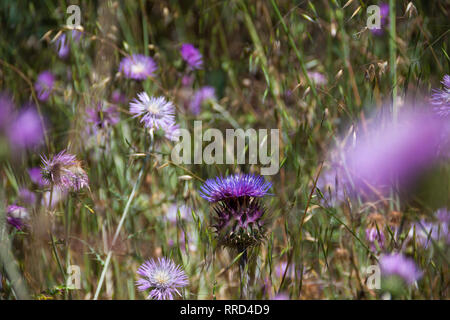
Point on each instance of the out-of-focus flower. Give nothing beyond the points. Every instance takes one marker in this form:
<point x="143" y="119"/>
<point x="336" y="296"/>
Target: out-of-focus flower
<point x="44" y="85"/>
<point x="390" y="151"/>
<point x="317" y="78"/>
<point x="184" y="210"/>
<point x="101" y="117"/>
<point x="201" y="95"/>
<point x="441" y="98"/>
<point x="374" y="231"/>
<point x="64" y="171"/>
<point x="36" y="176"/>
<point x="163" y="276"/>
<point x="172" y="132"/>
<point x="118" y="97"/>
<point x="384" y="19"/>
<point x="239" y="215"/>
<point x="26" y="131"/>
<point x="62" y="44"/>
<point x="17" y="216"/>
<point x="291" y="272"/>
<point x="155" y="112"/>
<point x="399" y="265"/>
<point x="281" y="296"/>
<point x="191" y="55"/>
<point x="187" y="80"/>
<point x="27" y="196"/>
<point x="332" y="184"/>
<point x="138" y="67"/>
<point x="56" y="196"/>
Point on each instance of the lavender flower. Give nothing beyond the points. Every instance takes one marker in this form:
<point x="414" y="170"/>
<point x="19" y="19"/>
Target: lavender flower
<point x="291" y="273"/>
<point x="234" y="186"/>
<point x="317" y="78"/>
<point x="203" y="94"/>
<point x="138" y="67"/>
<point x="62" y="44"/>
<point x="399" y="265"/>
<point x="118" y="97"/>
<point x="163" y="276"/>
<point x="191" y="55"/>
<point x="17" y="216"/>
<point x="101" y="117"/>
<point x="374" y="231"/>
<point x="441" y="98"/>
<point x="26" y="131"/>
<point x="27" y="196"/>
<point x="156" y="113"/>
<point x="44" y="85"/>
<point x="239" y="215"/>
<point x="64" y="171"/>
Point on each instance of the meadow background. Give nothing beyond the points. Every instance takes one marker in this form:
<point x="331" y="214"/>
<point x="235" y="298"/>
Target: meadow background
<point x="308" y="68"/>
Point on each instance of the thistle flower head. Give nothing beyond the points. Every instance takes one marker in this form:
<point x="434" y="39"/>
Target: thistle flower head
<point x="399" y="265"/>
<point x="234" y="186"/>
<point x="17" y="216"/>
<point x="138" y="67"/>
<point x="441" y="98"/>
<point x="191" y="55"/>
<point x="156" y="112"/>
<point x="163" y="276"/>
<point x="64" y="171"/>
<point x="44" y="85"/>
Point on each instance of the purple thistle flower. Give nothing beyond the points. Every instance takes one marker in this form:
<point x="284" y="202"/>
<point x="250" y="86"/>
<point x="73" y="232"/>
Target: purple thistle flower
<point x="118" y="97"/>
<point x="234" y="186"/>
<point x="17" y="216"/>
<point x="156" y="112"/>
<point x="191" y="55"/>
<point x="163" y="276"/>
<point x="399" y="265"/>
<point x="138" y="67"/>
<point x="26" y="131"/>
<point x="44" y="85"/>
<point x="64" y="171"/>
<point x="441" y="98"/>
<point x="101" y="117"/>
<point x="200" y="96"/>
<point x="239" y="214"/>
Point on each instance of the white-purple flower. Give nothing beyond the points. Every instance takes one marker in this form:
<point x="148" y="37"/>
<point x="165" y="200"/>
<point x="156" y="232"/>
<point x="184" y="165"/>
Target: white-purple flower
<point x="155" y="112"/>
<point x="184" y="210"/>
<point x="138" y="67"/>
<point x="26" y="130"/>
<point x="163" y="277"/>
<point x="17" y="216"/>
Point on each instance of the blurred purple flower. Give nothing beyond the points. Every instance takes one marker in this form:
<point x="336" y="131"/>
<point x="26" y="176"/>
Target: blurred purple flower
<point x="317" y="78"/>
<point x="44" y="85"/>
<point x="441" y="98"/>
<point x="184" y="210"/>
<point x="187" y="80"/>
<point x="291" y="273"/>
<point x="281" y="296"/>
<point x="62" y="44"/>
<point x="138" y="67"/>
<point x="390" y="150"/>
<point x="201" y="95"/>
<point x="399" y="265"/>
<point x="26" y="131"/>
<point x="375" y="237"/>
<point x="156" y="112"/>
<point x="36" y="176"/>
<point x="27" y="196"/>
<point x="17" y="216"/>
<point x="163" y="276"/>
<point x="101" y="117"/>
<point x="64" y="172"/>
<point x="191" y="55"/>
<point x="118" y="97"/>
